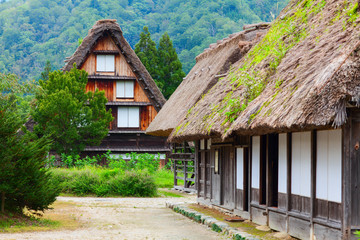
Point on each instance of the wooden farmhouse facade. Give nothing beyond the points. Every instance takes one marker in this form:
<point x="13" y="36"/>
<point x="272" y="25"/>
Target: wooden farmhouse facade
<point x="278" y="136"/>
<point x="132" y="94"/>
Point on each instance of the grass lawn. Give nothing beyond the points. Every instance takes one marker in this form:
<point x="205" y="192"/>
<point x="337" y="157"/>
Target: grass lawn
<point x="50" y="220"/>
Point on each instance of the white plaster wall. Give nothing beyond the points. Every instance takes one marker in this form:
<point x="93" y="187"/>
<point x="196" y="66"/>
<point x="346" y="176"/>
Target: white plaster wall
<point x="255" y="170"/>
<point x="240" y="168"/>
<point x="282" y="187"/>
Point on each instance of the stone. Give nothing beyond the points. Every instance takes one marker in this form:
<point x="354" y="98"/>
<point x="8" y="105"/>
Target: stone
<point x="282" y="235"/>
<point x="263" y="228"/>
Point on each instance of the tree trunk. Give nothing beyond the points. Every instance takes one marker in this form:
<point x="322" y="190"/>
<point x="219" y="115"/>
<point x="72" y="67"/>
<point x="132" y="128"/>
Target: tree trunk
<point x="3" y="202"/>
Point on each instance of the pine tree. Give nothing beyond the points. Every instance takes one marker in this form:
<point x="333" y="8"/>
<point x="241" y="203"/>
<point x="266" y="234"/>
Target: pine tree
<point x="169" y="66"/>
<point x="145" y="49"/>
<point x="162" y="63"/>
<point x="47" y="70"/>
<point x="24" y="180"/>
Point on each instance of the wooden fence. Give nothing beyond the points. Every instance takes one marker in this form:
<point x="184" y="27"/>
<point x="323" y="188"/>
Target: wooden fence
<point x="183" y="158"/>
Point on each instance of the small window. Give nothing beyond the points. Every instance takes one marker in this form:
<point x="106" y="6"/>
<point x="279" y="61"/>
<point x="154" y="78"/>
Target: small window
<point x="202" y="144"/>
<point x="105" y="63"/>
<point x="125" y="89"/>
<point x="216" y="162"/>
<point x="128" y="117"/>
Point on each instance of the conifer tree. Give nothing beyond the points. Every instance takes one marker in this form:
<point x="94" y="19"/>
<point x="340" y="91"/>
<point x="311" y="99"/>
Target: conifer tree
<point x="24" y="180"/>
<point x="169" y="66"/>
<point x="72" y="117"/>
<point x="145" y="49"/>
<point x="162" y="62"/>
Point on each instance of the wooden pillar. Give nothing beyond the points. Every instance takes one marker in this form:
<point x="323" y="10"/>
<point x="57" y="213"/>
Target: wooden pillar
<point x="288" y="185"/>
<point x="185" y="172"/>
<point x="313" y="182"/>
<point x="249" y="178"/>
<point x="197" y="163"/>
<point x="346" y="178"/>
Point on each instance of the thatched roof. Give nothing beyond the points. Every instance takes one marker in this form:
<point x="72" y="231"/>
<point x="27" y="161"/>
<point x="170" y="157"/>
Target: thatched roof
<point x="210" y="65"/>
<point x="301" y="75"/>
<point x="111" y="28"/>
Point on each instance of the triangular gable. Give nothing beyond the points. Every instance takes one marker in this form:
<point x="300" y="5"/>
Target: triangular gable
<point x="97" y="38"/>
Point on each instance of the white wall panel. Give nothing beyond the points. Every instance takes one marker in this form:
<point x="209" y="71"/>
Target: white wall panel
<point x="282" y="187"/>
<point x="123" y="116"/>
<point x="240" y="168"/>
<point x="334" y="174"/>
<point x="306" y="164"/>
<point x="129" y="89"/>
<point x="301" y="164"/>
<point x="110" y="63"/>
<point x="295" y="163"/>
<point x="322" y="164"/>
<point x="328" y="165"/>
<point x="255" y="170"/>
<point x="120" y="89"/>
<point x="100" y="63"/>
<point x="134" y="117"/>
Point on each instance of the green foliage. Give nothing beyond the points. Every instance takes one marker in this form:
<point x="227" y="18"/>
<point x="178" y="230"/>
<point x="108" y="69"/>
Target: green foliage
<point x="170" y="71"/>
<point x="162" y="63"/>
<point x="145" y="49"/>
<point x="47" y="71"/>
<point x="137" y="161"/>
<point x="164" y="178"/>
<point x="24" y="180"/>
<point x="282" y="36"/>
<point x="216" y="228"/>
<point x="34" y="31"/>
<point x="104" y="182"/>
<point x="357" y="233"/>
<point x="238" y="237"/>
<point x="68" y="114"/>
<point x="353" y="13"/>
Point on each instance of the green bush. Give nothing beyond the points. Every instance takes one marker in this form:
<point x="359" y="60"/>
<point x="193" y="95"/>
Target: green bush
<point x="104" y="182"/>
<point x="137" y="161"/>
<point x="135" y="183"/>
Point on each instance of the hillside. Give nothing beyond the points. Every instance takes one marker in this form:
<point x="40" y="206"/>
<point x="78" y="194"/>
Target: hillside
<point x="33" y="31"/>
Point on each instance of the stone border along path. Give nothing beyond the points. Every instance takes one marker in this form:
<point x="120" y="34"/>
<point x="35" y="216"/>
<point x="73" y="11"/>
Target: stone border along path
<point x="215" y="225"/>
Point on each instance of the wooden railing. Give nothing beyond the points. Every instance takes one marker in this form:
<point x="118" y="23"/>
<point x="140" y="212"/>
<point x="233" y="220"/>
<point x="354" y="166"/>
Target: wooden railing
<point x="183" y="158"/>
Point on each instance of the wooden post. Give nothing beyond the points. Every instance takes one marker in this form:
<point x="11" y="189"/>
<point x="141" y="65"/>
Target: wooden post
<point x="175" y="174"/>
<point x="288" y="176"/>
<point x="313" y="182"/>
<point x="3" y="202"/>
<point x="185" y="166"/>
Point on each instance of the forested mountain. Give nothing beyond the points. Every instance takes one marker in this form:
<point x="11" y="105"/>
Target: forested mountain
<point x="34" y="31"/>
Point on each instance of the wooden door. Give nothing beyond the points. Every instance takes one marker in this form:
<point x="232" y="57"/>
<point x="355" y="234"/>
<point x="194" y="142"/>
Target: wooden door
<point x="215" y="176"/>
<point x="227" y="177"/>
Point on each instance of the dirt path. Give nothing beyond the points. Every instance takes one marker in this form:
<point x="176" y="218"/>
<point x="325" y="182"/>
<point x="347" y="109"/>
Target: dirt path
<point x="123" y="218"/>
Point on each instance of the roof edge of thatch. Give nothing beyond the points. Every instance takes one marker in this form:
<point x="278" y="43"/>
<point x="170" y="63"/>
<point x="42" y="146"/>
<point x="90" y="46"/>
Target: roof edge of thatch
<point x="223" y="42"/>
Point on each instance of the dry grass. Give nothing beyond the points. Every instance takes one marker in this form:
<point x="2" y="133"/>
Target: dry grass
<point x="61" y="217"/>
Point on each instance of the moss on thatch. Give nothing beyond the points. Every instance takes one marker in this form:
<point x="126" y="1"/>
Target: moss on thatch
<point x="289" y="80"/>
<point x="211" y="65"/>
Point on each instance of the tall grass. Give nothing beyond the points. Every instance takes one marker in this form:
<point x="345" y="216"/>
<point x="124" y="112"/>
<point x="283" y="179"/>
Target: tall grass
<point x="104" y="182"/>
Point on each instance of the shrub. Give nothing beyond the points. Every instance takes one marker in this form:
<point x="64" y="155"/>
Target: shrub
<point x="104" y="182"/>
<point x="137" y="161"/>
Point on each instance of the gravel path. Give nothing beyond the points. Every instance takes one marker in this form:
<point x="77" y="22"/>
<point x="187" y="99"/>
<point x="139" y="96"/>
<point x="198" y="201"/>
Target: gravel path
<point x="125" y="218"/>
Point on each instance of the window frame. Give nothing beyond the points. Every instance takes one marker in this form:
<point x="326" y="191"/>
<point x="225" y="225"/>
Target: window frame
<point x="124" y="96"/>
<point x="105" y="70"/>
<point x="128" y="115"/>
